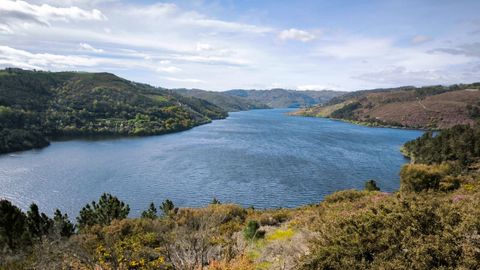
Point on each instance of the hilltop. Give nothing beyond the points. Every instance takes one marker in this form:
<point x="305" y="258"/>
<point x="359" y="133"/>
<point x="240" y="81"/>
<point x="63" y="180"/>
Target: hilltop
<point x="223" y="100"/>
<point x="431" y="107"/>
<point x="37" y="105"/>
<point x="284" y="98"/>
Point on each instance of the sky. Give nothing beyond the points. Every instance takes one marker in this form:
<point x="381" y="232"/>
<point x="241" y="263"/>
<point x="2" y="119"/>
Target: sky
<point x="220" y="45"/>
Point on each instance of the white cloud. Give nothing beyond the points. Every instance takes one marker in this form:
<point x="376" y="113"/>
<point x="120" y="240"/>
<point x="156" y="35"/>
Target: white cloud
<point x="204" y="47"/>
<point x="22" y="12"/>
<point x="170" y="69"/>
<point x="24" y="59"/>
<point x="398" y="75"/>
<point x="296" y="34"/>
<point x="418" y="39"/>
<point x="315" y="87"/>
<point x="184" y="80"/>
<point x="88" y="47"/>
<point x="171" y="14"/>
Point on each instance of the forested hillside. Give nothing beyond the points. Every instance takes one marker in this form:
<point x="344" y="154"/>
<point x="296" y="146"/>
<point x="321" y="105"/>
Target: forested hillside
<point x="432" y="107"/>
<point x="432" y="222"/>
<point x="36" y="105"/>
<point x="221" y="99"/>
<point x="284" y="98"/>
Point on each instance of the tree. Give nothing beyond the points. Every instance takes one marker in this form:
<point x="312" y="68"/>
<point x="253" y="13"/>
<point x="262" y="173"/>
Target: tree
<point x="151" y="212"/>
<point x="62" y="224"/>
<point x="39" y="224"/>
<point x="108" y="208"/>
<point x="371" y="185"/>
<point x="167" y="207"/>
<point x="215" y="201"/>
<point x="13" y="226"/>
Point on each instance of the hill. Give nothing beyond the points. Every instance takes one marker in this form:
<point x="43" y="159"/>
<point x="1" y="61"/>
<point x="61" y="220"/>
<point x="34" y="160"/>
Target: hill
<point x="430" y="223"/>
<point x="227" y="102"/>
<point x="431" y="107"/>
<point x="283" y="98"/>
<point x="36" y="105"/>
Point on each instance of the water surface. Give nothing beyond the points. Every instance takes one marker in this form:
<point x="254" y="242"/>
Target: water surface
<point x="261" y="158"/>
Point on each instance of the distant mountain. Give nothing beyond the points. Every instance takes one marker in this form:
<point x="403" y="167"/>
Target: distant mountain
<point x="430" y="107"/>
<point x="284" y="98"/>
<point x="221" y="99"/>
<point x="35" y="105"/>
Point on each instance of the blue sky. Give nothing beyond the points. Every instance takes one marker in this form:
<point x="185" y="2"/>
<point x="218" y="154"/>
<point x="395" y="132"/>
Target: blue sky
<point x="220" y="45"/>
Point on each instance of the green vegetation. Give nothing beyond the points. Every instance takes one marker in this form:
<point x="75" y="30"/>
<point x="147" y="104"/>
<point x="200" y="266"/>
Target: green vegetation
<point x="104" y="212"/>
<point x="37" y="105"/>
<point x="371" y="185"/>
<point x="460" y="143"/>
<point x="284" y="98"/>
<point x="251" y="230"/>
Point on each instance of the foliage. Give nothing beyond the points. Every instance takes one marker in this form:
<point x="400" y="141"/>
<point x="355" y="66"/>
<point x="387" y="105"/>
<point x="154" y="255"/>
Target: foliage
<point x="345" y="196"/>
<point x="104" y="212"/>
<point x="62" y="225"/>
<point x="422" y="231"/>
<point x="215" y="201"/>
<point x="151" y="212"/>
<point x="371" y="185"/>
<point x="168" y="207"/>
<point x="346" y="112"/>
<point x="251" y="230"/>
<point x="460" y="143"/>
<point x="13" y="226"/>
<point x="38" y="223"/>
<point x="37" y="105"/>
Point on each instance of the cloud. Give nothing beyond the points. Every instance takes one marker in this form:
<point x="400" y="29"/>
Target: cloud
<point x="471" y="49"/>
<point x="315" y="87"/>
<point x="170" y="69"/>
<point x="173" y="15"/>
<point x="296" y="34"/>
<point x="88" y="47"/>
<point x="24" y="59"/>
<point x="204" y="47"/>
<point x="184" y="80"/>
<point x="418" y="39"/>
<point x="12" y="12"/>
<point x="398" y="75"/>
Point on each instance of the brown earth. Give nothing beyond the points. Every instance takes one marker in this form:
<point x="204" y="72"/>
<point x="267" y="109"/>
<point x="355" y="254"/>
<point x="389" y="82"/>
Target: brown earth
<point x="406" y="108"/>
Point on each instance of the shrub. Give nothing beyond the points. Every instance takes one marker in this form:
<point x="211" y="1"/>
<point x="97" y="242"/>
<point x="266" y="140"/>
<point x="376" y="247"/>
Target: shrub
<point x="345" y="196"/>
<point x="371" y="185"/>
<point x="251" y="230"/>
<point x="421" y="177"/>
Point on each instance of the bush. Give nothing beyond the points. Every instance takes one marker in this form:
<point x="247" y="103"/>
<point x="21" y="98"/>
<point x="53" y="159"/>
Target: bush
<point x="371" y="185"/>
<point x="345" y="196"/>
<point x="251" y="230"/>
<point x="421" y="177"/>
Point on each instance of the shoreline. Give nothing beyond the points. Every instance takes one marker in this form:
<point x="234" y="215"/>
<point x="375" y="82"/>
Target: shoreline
<point x="366" y="124"/>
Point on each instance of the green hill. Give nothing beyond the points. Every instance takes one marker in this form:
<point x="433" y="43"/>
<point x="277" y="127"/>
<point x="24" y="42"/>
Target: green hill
<point x="284" y="98"/>
<point x="430" y="107"/>
<point x="221" y="99"/>
<point x="36" y="105"/>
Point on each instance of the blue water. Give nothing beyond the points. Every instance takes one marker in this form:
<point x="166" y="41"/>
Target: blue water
<point x="262" y="158"/>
